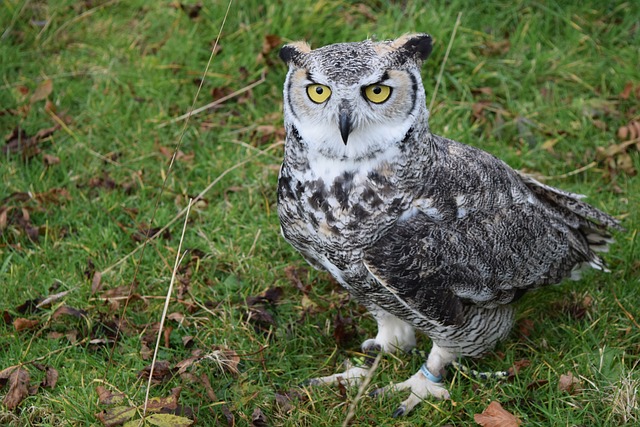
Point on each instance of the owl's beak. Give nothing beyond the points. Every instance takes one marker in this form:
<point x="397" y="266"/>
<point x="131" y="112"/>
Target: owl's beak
<point x="344" y="122"/>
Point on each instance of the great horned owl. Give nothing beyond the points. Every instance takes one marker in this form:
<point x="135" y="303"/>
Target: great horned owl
<point x="429" y="234"/>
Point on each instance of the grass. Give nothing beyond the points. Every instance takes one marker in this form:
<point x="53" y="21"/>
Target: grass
<point x="121" y="69"/>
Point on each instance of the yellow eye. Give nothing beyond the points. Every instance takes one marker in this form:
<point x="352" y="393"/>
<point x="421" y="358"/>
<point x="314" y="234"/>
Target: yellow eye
<point x="318" y="93"/>
<point x="377" y="93"/>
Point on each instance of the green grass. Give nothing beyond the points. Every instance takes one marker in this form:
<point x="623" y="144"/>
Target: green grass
<point x="121" y="68"/>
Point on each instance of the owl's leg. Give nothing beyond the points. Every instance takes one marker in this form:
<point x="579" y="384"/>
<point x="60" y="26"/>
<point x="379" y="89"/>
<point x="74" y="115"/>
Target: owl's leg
<point x="424" y="383"/>
<point x="393" y="335"/>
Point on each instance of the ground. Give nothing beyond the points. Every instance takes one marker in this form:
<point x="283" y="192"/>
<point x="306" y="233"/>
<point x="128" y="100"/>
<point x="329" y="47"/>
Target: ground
<point x="90" y="103"/>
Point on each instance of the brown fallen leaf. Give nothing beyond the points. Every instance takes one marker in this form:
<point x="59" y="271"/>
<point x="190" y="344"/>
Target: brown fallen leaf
<point x="517" y="366"/>
<point x="626" y="92"/>
<point x="496" y="416"/>
<point x="106" y="397"/>
<point x="50" y="159"/>
<point x="204" y="380"/>
<point x="258" y="419"/>
<point x="21" y="324"/>
<point x="18" y="388"/>
<point x="269" y="43"/>
<point x="165" y="404"/>
<point x="19" y="142"/>
<point x="629" y="131"/>
<point x="96" y="282"/>
<point x="162" y="371"/>
<point x="42" y="91"/>
<point x="344" y="330"/>
<point x="69" y="311"/>
<point x="50" y="376"/>
<point x="617" y="157"/>
<point x="569" y="383"/>
<point x="271" y="296"/>
<point x="526" y="326"/>
<point x="116" y="416"/>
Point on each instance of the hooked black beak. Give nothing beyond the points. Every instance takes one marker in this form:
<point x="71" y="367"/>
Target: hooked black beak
<point x="344" y="122"/>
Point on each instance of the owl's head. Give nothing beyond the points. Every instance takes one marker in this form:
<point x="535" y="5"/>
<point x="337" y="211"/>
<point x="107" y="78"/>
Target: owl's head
<point x="349" y="100"/>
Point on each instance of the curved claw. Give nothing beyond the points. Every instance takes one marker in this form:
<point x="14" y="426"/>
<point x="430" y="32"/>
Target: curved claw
<point x="402" y="409"/>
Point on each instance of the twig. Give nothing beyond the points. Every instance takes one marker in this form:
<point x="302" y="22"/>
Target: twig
<point x="174" y="273"/>
<point x="183" y="211"/>
<point x="363" y="386"/>
<point x="216" y="102"/>
<point x="444" y="61"/>
<point x="565" y="175"/>
<point x="51" y="298"/>
<point x="624" y="310"/>
<point x="164" y="185"/>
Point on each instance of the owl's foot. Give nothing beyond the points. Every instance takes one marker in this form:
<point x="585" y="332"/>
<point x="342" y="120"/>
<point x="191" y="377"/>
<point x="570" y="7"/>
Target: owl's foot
<point x="422" y="384"/>
<point x="353" y="374"/>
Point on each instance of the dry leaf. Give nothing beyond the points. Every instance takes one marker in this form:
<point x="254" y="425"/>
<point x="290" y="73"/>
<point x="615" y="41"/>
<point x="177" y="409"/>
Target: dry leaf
<point x="258" y="419"/>
<point x="116" y="416"/>
<point x="18" y="388"/>
<point x="568" y="383"/>
<point x="629" y="131"/>
<point x="50" y="377"/>
<point x="69" y="311"/>
<point x="106" y="397"/>
<point x="626" y="92"/>
<point x="50" y="160"/>
<point x="162" y="371"/>
<point x="42" y="91"/>
<point x="96" y="282"/>
<point x="169" y="403"/>
<point x="168" y="420"/>
<point x="21" y="324"/>
<point x="496" y="416"/>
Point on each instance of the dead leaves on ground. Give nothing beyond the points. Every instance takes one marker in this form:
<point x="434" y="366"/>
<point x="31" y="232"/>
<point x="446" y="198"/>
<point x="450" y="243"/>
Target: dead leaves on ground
<point x="496" y="416"/>
<point x="16" y="212"/>
<point x="18" y="380"/>
<point x="161" y="411"/>
<point x="569" y="383"/>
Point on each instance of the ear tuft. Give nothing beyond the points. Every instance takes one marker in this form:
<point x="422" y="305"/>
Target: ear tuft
<point x="419" y="45"/>
<point x="291" y="53"/>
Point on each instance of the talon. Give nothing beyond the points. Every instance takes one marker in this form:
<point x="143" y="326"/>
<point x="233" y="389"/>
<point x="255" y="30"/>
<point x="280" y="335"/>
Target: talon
<point x="377" y="392"/>
<point x="400" y="411"/>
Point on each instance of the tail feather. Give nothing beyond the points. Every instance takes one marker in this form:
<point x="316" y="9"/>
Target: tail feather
<point x="592" y="223"/>
<point x="593" y="218"/>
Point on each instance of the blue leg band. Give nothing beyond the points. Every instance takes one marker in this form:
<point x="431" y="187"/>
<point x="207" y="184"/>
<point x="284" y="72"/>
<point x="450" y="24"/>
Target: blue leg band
<point x="429" y="375"/>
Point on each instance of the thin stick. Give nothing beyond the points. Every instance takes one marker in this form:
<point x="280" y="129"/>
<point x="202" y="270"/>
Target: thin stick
<point x="625" y="311"/>
<point x="166" y="179"/>
<point x="568" y="174"/>
<point x="363" y="386"/>
<point x="166" y="306"/>
<point x="446" y="56"/>
<point x="183" y="211"/>
<point x="192" y="112"/>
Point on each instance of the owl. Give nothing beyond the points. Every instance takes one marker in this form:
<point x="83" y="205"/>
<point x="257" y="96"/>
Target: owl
<point x="429" y="234"/>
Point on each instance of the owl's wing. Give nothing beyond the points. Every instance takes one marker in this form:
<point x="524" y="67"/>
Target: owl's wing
<point x="488" y="258"/>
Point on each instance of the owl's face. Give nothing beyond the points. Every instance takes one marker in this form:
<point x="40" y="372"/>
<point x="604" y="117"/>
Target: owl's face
<point x="353" y="100"/>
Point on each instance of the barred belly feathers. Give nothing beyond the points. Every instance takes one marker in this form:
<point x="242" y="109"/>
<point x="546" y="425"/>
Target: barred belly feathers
<point x="429" y="234"/>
